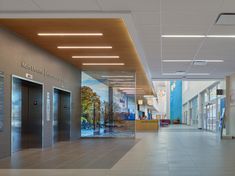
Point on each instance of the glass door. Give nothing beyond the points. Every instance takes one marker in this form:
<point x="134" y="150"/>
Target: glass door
<point x="211" y="117"/>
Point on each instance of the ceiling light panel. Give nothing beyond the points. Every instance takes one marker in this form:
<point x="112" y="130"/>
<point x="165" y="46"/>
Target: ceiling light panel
<point x="189" y="74"/>
<point x="198" y="36"/>
<point x="84" y="47"/>
<point x="198" y="74"/>
<point x="117" y="76"/>
<point x="176" y="60"/>
<point x="201" y="60"/>
<point x="120" y="80"/>
<point x="94" y="57"/>
<point x="183" y="36"/>
<point x="220" y="36"/>
<point x="70" y="34"/>
<point x="103" y="64"/>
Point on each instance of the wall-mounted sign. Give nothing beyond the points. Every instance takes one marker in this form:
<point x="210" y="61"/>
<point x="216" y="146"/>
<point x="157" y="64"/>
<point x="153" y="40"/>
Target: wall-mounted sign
<point x="48" y="107"/>
<point x="219" y="92"/>
<point x="41" y="71"/>
<point x="1" y="101"/>
<point x="29" y="76"/>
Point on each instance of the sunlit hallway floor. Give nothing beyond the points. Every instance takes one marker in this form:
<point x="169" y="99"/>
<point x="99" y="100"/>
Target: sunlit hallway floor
<point x="174" y="151"/>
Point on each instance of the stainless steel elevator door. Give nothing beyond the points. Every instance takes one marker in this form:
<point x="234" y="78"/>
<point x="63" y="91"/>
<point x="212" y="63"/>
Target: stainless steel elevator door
<point x="61" y="124"/>
<point x="27" y="115"/>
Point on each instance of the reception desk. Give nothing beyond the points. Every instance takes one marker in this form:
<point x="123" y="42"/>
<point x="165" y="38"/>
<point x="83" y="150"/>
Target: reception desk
<point x="146" y="125"/>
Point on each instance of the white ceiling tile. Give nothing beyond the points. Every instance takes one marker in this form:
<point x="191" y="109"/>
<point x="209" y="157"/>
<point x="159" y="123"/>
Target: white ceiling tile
<point x="191" y="5"/>
<point x="173" y="67"/>
<point x="228" y="6"/>
<point x="62" y="5"/>
<point x="180" y="48"/>
<point x="189" y="18"/>
<point x="16" y="5"/>
<point x="149" y="33"/>
<point x="185" y="29"/>
<point x="223" y="30"/>
<point x="132" y="5"/>
<point x="146" y="18"/>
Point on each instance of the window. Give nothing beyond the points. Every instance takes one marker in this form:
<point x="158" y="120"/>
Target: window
<point x="213" y="93"/>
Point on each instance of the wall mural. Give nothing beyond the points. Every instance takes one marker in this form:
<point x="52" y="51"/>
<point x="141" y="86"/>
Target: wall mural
<point x="105" y="110"/>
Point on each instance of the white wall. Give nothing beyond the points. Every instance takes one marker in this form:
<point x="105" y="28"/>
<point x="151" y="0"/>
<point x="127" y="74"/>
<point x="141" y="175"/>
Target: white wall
<point x="193" y="88"/>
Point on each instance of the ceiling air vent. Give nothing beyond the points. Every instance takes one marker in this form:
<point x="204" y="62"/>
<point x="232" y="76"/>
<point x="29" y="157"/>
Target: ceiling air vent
<point x="226" y="19"/>
<point x="200" y="62"/>
<point x="180" y="73"/>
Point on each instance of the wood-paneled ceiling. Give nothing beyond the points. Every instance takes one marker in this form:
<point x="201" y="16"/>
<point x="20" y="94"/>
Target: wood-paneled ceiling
<point x="114" y="31"/>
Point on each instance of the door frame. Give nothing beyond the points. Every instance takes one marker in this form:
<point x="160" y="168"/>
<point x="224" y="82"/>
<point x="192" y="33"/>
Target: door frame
<point x="31" y="81"/>
<point x="53" y="117"/>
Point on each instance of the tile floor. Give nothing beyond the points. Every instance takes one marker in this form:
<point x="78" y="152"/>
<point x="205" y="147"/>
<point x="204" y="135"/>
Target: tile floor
<point x="174" y="151"/>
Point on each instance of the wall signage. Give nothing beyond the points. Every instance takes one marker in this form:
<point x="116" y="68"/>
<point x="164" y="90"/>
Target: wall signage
<point x="29" y="76"/>
<point x="219" y="92"/>
<point x="41" y="71"/>
<point x="1" y="100"/>
<point x="48" y="107"/>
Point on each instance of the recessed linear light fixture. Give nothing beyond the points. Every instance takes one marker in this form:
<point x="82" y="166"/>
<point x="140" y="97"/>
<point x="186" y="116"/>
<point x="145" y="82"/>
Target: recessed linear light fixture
<point x="189" y="74"/>
<point x="117" y="76"/>
<point x="183" y="36"/>
<point x="149" y="96"/>
<point x="198" y="36"/>
<point x="84" y="47"/>
<point x="198" y="74"/>
<point x="122" y="82"/>
<point x="103" y="64"/>
<point x="220" y="36"/>
<point x="130" y="88"/>
<point x="201" y="60"/>
<point x="94" y="57"/>
<point x="70" y="34"/>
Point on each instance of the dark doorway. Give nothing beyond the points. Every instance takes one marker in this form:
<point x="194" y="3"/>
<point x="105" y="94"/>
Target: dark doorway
<point x="61" y="122"/>
<point x="26" y="114"/>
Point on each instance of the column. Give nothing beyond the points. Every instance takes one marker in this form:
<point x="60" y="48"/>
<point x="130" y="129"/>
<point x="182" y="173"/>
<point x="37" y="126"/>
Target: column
<point x="200" y="112"/>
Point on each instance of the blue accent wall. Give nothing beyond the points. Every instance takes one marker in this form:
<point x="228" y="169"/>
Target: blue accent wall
<point x="176" y="100"/>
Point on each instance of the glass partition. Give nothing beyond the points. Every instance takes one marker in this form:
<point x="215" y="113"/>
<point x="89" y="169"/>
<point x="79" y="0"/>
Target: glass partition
<point x="108" y="104"/>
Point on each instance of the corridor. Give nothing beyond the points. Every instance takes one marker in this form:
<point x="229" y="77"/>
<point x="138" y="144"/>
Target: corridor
<point x="174" y="151"/>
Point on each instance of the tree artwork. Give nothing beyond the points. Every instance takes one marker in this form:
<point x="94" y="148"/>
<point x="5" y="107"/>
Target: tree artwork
<point x="90" y="105"/>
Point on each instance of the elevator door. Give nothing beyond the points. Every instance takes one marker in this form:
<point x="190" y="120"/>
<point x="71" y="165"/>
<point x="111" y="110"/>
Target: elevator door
<point x="61" y="124"/>
<point x="26" y="115"/>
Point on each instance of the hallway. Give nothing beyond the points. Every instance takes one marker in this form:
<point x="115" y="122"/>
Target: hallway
<point x="174" y="151"/>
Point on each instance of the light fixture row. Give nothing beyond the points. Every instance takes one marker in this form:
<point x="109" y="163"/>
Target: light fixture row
<point x="103" y="64"/>
<point x="86" y="47"/>
<point x="198" y="36"/>
<point x="70" y="34"/>
<point x="191" y="60"/>
<point x="186" y="74"/>
<point x="95" y="57"/>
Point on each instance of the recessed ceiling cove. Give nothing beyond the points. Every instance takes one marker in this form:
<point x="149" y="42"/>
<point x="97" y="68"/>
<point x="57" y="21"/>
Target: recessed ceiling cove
<point x="83" y="43"/>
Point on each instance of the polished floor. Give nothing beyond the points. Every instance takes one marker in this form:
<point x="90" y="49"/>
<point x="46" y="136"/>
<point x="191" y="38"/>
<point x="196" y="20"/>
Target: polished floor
<point x="81" y="154"/>
<point x="174" y="151"/>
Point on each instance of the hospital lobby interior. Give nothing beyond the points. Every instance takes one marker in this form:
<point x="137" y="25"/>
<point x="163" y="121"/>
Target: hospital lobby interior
<point x="117" y="87"/>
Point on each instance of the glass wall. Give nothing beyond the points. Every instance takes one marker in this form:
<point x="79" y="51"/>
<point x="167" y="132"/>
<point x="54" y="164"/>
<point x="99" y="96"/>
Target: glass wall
<point x="185" y="114"/>
<point x="194" y="111"/>
<point x="108" y="104"/>
<point x="212" y="106"/>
